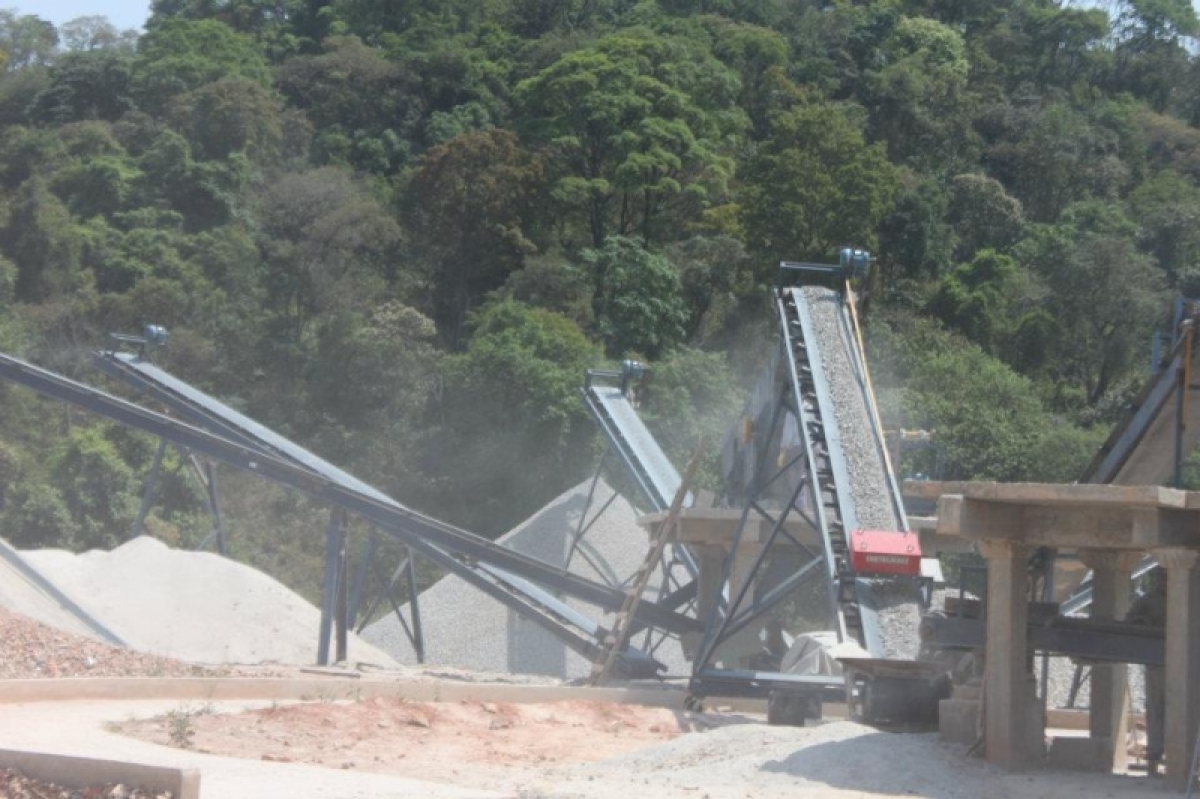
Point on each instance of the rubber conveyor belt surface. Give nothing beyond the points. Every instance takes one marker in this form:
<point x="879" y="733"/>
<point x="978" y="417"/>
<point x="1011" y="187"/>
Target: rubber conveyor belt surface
<point x="647" y="455"/>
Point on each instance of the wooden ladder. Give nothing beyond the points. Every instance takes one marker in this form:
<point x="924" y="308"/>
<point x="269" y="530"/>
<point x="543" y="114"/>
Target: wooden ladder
<point x="620" y="633"/>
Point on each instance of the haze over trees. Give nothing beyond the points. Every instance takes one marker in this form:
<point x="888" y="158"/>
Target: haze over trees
<point x="400" y="232"/>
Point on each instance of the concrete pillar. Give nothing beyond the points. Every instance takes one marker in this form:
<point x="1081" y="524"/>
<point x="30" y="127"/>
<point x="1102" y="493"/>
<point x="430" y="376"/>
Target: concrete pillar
<point x="1005" y="679"/>
<point x="1182" y="660"/>
<point x="1108" y="720"/>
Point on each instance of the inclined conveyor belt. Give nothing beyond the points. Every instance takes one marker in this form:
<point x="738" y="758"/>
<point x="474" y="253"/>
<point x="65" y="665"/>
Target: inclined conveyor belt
<point x="1161" y="427"/>
<point x="505" y="575"/>
<point x="650" y="467"/>
<point x="1142" y="448"/>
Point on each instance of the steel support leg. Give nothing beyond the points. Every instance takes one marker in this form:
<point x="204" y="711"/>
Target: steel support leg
<point x="414" y="609"/>
<point x="151" y="491"/>
<point x="360" y="579"/>
<point x="335" y="556"/>
<point x="214" y="505"/>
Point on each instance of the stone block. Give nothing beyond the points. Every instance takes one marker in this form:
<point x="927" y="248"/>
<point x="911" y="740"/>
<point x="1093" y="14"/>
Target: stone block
<point x="958" y="721"/>
<point x="1080" y="754"/>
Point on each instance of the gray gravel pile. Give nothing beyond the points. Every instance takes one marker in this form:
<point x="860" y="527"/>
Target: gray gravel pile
<point x="898" y="606"/>
<point x="464" y="628"/>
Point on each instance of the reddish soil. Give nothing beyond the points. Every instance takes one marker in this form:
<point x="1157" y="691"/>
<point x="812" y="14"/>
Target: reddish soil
<point x="434" y="740"/>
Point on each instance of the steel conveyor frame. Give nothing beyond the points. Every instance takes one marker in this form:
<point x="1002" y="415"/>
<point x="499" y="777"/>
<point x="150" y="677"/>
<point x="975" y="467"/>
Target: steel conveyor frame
<point x="795" y="384"/>
<point x="486" y="565"/>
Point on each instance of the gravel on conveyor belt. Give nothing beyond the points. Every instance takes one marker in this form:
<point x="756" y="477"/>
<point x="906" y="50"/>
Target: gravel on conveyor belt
<point x="897" y="601"/>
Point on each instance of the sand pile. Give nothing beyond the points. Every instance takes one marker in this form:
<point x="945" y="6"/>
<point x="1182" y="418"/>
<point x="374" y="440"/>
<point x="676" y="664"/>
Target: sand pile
<point x="467" y="629"/>
<point x="192" y="606"/>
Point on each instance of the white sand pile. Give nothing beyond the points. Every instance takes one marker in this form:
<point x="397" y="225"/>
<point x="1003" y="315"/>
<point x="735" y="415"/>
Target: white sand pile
<point x="25" y="592"/>
<point x="194" y="606"/>
<point x="467" y="629"/>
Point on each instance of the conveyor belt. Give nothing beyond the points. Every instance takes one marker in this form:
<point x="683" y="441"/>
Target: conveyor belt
<point x="627" y="435"/>
<point x="1145" y="448"/>
<point x="1142" y="448"/>
<point x="834" y="510"/>
<point x="635" y="445"/>
<point x="486" y="565"/>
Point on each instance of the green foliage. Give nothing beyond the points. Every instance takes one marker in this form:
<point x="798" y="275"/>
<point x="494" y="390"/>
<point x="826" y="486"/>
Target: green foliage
<point x="181" y="56"/>
<point x="632" y="132"/>
<point x="691" y="395"/>
<point x="473" y="210"/>
<point x="988" y="421"/>
<point x="638" y="302"/>
<point x="88" y="84"/>
<point x="511" y="400"/>
<point x="399" y="232"/>
<point x="99" y="491"/>
<point x="814" y="185"/>
<point x="991" y="301"/>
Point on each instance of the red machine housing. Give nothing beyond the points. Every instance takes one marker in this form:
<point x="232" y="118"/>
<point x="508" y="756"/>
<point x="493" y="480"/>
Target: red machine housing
<point x="885" y="552"/>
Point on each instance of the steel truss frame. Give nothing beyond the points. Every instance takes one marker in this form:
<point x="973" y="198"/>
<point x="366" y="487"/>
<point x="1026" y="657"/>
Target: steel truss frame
<point x="501" y="573"/>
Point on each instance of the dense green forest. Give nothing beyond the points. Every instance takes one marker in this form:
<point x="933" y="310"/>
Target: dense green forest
<point x="399" y="231"/>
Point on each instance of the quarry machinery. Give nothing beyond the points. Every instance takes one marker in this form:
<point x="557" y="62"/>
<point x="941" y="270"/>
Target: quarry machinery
<point x="810" y="449"/>
<point x="809" y="521"/>
<point x="527" y="585"/>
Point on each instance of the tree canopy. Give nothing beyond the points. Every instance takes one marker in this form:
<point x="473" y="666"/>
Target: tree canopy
<point x="401" y="231"/>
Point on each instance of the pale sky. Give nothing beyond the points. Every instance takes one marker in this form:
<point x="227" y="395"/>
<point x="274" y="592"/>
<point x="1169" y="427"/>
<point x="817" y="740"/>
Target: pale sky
<point x="121" y="13"/>
<point x="132" y="13"/>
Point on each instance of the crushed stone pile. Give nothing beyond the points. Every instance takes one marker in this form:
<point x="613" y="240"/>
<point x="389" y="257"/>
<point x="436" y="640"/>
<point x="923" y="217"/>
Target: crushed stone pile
<point x="466" y="629"/>
<point x="33" y="650"/>
<point x="193" y="606"/>
<point x="898" y="602"/>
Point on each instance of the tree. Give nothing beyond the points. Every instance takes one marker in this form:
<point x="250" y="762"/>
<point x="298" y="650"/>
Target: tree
<point x="95" y="33"/>
<point x="982" y="215"/>
<point x="365" y="107"/>
<point x="638" y="302"/>
<point x="99" y="490"/>
<point x="512" y="398"/>
<point x="230" y="116"/>
<point x="1104" y="297"/>
<point x="1166" y="208"/>
<point x="472" y="208"/>
<point x="815" y="185"/>
<point x="988" y="422"/>
<point x="327" y="247"/>
<point x="990" y="299"/>
<point x="84" y="85"/>
<point x="916" y="95"/>
<point x="180" y="56"/>
<point x="627" y="136"/>
<point x="44" y="244"/>
<point x="26" y="41"/>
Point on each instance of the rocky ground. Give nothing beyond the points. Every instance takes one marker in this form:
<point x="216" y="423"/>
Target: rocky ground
<point x="33" y="650"/>
<point x="15" y="785"/>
